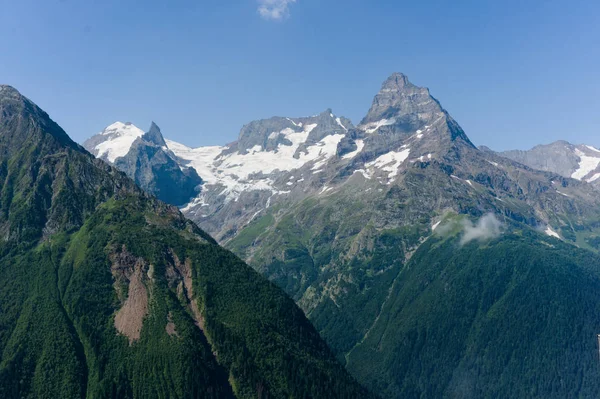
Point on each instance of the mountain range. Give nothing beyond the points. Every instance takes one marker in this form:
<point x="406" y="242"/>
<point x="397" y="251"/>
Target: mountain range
<point x="581" y="162"/>
<point x="431" y="267"/>
<point x="106" y="291"/>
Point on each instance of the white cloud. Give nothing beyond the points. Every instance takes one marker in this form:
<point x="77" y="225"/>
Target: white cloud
<point x="274" y="9"/>
<point x="486" y="228"/>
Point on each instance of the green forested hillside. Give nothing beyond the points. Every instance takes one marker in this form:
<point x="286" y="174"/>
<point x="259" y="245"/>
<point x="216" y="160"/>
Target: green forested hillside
<point x="515" y="317"/>
<point x="107" y="292"/>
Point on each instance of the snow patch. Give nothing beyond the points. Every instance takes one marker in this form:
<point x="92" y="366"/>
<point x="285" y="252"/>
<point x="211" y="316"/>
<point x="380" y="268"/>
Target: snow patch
<point x="374" y="126"/>
<point x="299" y="124"/>
<point x="238" y="172"/>
<point x="587" y="165"/>
<point x="363" y="172"/>
<point x="360" y="144"/>
<point x="390" y="162"/>
<point x="325" y="189"/>
<point x="551" y="232"/>
<point x="339" y="122"/>
<point x="593" y="148"/>
<point x="325" y="149"/>
<point x="594" y="178"/>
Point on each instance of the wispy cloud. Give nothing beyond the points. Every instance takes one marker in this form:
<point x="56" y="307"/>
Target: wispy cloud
<point x="486" y="228"/>
<point x="274" y="9"/>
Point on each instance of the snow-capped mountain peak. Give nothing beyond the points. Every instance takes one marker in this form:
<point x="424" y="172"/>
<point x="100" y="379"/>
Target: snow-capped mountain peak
<point x="287" y="158"/>
<point x="266" y="149"/>
<point x="114" y="141"/>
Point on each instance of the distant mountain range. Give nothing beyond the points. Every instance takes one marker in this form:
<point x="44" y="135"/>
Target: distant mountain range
<point x="581" y="162"/>
<point x="283" y="159"/>
<point x="431" y="267"/>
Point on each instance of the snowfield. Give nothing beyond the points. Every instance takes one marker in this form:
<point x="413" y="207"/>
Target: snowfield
<point x="587" y="165"/>
<point x="122" y="135"/>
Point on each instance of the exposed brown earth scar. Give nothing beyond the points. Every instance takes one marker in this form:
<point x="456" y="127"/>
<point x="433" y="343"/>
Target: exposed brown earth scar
<point x="129" y="320"/>
<point x="180" y="273"/>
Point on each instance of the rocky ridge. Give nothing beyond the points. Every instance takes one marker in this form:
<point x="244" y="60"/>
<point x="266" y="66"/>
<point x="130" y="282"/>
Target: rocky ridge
<point x="581" y="162"/>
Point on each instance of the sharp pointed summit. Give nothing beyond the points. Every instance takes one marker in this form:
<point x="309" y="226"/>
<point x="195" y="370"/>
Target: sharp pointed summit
<point x="397" y="80"/>
<point x="399" y="98"/>
<point x="401" y="108"/>
<point x="154" y="136"/>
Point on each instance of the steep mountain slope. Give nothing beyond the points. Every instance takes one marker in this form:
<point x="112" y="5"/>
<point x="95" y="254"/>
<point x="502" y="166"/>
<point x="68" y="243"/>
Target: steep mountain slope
<point x="373" y="242"/>
<point x="581" y="162"/>
<point x="145" y="158"/>
<point x="108" y="292"/>
<point x="514" y="317"/>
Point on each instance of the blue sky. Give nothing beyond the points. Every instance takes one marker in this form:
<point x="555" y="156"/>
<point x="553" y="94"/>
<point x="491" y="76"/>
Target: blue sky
<point x="512" y="73"/>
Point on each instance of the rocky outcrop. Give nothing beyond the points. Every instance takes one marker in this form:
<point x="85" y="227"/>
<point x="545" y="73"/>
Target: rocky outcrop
<point x="155" y="169"/>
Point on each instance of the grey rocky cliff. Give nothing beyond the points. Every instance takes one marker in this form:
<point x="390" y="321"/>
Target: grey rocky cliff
<point x="569" y="160"/>
<point x="154" y="136"/>
<point x="400" y="107"/>
<point x="266" y="133"/>
<point x="147" y="160"/>
<point x="155" y="169"/>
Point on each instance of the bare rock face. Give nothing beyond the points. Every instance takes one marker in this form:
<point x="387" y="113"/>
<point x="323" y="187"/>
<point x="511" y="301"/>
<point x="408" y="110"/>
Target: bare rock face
<point x="155" y="169"/>
<point x="401" y="100"/>
<point x="581" y="162"/>
<point x="145" y="158"/>
<point x="154" y="136"/>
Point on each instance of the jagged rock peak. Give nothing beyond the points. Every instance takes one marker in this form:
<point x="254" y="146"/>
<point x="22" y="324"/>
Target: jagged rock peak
<point x="397" y="81"/>
<point x="268" y="134"/>
<point x="154" y="136"/>
<point x="398" y="98"/>
<point x="6" y="90"/>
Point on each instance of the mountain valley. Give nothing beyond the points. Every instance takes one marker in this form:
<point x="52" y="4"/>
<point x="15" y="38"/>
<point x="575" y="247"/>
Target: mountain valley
<point x="431" y="267"/>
